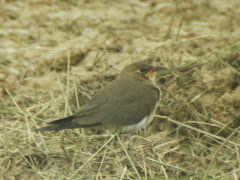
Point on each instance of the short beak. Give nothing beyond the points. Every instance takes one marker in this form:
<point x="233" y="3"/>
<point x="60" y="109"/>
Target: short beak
<point x="158" y="68"/>
<point x="152" y="73"/>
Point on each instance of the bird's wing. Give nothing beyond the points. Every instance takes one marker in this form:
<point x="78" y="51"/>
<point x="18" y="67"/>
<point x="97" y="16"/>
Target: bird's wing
<point x="126" y="102"/>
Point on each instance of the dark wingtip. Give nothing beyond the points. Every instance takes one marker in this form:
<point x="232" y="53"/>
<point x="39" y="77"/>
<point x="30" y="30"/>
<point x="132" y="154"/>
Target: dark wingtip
<point x="66" y="126"/>
<point x="48" y="128"/>
<point x="158" y="68"/>
<point x="63" y="120"/>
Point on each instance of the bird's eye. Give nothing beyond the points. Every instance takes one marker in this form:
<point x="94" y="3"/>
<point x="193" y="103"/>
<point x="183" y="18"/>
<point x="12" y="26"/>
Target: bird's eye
<point x="143" y="70"/>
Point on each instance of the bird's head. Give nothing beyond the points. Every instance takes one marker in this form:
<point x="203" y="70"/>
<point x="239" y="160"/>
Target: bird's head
<point x="141" y="70"/>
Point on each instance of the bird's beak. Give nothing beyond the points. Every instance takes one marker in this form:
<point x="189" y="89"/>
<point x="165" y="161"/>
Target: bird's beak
<point x="158" y="68"/>
<point x="151" y="74"/>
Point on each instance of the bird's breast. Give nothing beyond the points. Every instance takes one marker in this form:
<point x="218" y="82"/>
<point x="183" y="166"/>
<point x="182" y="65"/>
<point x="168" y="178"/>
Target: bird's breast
<point x="140" y="125"/>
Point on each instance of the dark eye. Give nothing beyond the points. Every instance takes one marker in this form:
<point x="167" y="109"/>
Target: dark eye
<point x="143" y="70"/>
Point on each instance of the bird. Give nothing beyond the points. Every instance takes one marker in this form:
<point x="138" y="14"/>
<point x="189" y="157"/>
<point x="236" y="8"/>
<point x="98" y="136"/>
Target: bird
<point x="126" y="105"/>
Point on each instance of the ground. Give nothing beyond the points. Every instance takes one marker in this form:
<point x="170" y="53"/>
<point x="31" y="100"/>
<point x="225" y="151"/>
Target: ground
<point x="55" y="55"/>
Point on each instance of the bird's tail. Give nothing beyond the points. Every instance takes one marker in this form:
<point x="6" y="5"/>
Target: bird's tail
<point x="65" y="123"/>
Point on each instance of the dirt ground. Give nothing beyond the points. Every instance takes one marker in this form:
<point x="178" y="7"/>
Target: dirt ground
<point x="55" y="55"/>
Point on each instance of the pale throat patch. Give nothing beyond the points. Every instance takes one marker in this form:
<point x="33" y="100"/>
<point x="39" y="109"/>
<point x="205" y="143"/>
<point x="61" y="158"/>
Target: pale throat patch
<point x="151" y="76"/>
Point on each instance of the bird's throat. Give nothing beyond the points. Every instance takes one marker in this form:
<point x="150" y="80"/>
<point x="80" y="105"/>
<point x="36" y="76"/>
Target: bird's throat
<point x="151" y="75"/>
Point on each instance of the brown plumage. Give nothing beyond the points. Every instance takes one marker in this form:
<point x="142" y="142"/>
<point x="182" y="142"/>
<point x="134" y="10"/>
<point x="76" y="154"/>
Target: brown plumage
<point x="126" y="104"/>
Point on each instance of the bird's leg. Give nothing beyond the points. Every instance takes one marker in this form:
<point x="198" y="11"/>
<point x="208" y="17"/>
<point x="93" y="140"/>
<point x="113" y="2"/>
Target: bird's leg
<point x="144" y="132"/>
<point x="62" y="146"/>
<point x="130" y="138"/>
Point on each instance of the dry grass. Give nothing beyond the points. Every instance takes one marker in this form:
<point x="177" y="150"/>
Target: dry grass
<point x="55" y="55"/>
